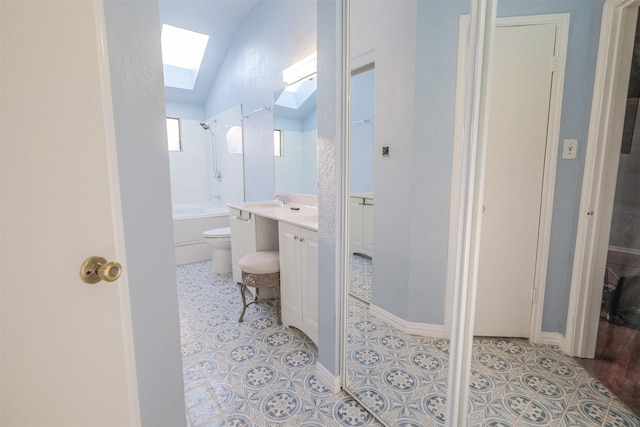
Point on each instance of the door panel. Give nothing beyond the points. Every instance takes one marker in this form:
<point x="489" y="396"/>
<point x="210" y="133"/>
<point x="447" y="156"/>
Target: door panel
<point x="291" y="291"/>
<point x="519" y="113"/>
<point x="63" y="354"/>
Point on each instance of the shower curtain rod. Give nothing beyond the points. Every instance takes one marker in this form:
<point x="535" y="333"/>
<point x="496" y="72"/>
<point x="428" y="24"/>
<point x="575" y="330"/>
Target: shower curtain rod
<point x="256" y="111"/>
<point x="361" y="121"/>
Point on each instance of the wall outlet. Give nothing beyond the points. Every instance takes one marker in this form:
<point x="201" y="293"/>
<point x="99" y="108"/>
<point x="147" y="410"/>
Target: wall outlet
<point x="385" y="151"/>
<point x="569" y="148"/>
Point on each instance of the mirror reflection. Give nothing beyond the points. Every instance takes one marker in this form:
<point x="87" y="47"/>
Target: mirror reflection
<point x="208" y="168"/>
<point x="295" y="125"/>
<point x="396" y="352"/>
<point x="361" y="200"/>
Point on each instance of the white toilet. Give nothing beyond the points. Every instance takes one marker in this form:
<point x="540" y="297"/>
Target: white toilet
<point x="220" y="240"/>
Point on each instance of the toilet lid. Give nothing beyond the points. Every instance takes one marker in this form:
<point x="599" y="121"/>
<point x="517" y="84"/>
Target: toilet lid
<point x="218" y="232"/>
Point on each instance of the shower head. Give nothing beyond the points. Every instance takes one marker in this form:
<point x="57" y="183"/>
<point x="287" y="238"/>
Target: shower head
<point x="205" y="125"/>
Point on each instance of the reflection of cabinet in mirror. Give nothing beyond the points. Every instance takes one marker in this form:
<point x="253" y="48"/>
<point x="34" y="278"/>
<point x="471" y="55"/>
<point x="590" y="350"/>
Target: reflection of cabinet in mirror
<point x="299" y="279"/>
<point x="361" y="227"/>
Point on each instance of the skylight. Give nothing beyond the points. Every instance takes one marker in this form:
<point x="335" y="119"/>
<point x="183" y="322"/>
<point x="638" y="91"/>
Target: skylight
<point x="182" y="54"/>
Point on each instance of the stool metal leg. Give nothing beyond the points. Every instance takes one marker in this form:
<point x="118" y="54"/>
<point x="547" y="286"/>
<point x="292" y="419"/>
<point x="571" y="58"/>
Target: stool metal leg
<point x="243" y="289"/>
<point x="277" y="305"/>
<point x="272" y="283"/>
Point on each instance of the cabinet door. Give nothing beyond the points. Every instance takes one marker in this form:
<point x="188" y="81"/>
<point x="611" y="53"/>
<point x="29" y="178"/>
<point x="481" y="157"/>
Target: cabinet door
<point x="367" y="226"/>
<point x="309" y="276"/>
<point x="290" y="286"/>
<point x="243" y="238"/>
<point x="355" y="225"/>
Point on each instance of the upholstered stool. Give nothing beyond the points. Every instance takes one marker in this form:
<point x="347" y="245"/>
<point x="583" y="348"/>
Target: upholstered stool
<point x="260" y="270"/>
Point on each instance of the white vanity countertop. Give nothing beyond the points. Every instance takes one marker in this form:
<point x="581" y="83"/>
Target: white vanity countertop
<point x="305" y="216"/>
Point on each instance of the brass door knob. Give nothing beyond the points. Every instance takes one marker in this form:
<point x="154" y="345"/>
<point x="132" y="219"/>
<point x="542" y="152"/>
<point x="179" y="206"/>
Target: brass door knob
<point x="96" y="268"/>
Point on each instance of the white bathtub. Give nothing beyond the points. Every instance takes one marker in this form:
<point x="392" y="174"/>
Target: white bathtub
<point x="189" y="221"/>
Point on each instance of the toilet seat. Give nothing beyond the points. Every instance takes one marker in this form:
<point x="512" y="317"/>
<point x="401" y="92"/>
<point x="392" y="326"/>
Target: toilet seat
<point x="218" y="233"/>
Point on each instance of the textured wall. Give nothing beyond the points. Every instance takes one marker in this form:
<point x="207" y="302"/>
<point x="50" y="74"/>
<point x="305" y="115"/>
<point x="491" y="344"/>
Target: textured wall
<point x="274" y="35"/>
<point x="329" y="180"/>
<point x="133" y="36"/>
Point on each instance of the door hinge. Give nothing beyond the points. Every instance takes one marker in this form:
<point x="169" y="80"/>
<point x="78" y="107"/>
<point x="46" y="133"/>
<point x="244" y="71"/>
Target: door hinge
<point x="533" y="295"/>
<point x="554" y="63"/>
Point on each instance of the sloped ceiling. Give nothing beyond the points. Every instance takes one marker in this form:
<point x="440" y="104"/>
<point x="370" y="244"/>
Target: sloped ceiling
<point x="217" y="18"/>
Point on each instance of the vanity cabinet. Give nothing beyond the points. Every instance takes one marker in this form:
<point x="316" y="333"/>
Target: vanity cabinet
<point x="299" y="278"/>
<point x="361" y="225"/>
<point x="250" y="233"/>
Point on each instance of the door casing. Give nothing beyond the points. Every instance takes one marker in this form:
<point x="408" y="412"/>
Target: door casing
<point x="551" y="157"/>
<point x="600" y="174"/>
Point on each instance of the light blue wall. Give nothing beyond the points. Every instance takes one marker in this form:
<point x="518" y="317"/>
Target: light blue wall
<point x="135" y="63"/>
<point x="274" y="35"/>
<point x="185" y="111"/>
<point x="361" y="138"/>
<point x="436" y="65"/>
<point x="435" y="90"/>
<point x="421" y="296"/>
<point x="310" y="122"/>
<point x="329" y="181"/>
<point x="297" y="170"/>
<point x="386" y="31"/>
<point x="287" y="123"/>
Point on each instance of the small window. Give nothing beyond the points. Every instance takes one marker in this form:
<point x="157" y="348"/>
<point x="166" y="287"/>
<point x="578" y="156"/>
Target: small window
<point x="173" y="133"/>
<point x="278" y="143"/>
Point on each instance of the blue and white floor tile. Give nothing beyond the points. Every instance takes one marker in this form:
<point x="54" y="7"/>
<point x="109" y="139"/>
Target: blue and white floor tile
<point x="254" y="373"/>
<point x="258" y="373"/>
<point x="513" y="382"/>
<point x="361" y="274"/>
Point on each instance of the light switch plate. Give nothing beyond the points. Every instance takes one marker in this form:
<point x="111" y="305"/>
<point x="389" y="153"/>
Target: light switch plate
<point x="569" y="148"/>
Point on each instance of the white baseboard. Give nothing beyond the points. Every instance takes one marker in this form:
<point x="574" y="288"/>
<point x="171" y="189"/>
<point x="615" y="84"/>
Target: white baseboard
<point x="553" y="338"/>
<point x="327" y="379"/>
<point x="192" y="252"/>
<point x="411" y="328"/>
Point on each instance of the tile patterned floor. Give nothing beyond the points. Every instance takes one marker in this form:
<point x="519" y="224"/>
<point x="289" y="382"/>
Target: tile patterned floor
<point x="513" y="383"/>
<point x="361" y="274"/>
<point x="258" y="373"/>
<point x="255" y="373"/>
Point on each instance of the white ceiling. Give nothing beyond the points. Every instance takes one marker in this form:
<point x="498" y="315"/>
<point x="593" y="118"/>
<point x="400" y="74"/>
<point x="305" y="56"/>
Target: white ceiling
<point x="217" y="18"/>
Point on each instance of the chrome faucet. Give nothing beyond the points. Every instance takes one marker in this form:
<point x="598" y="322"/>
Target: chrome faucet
<point x="281" y="199"/>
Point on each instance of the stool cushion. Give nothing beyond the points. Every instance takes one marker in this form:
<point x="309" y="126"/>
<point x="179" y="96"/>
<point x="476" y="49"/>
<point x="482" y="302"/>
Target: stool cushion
<point x="261" y="262"/>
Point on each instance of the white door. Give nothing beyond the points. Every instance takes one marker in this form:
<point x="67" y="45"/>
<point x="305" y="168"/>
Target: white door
<point x="519" y="113"/>
<point x="290" y="287"/>
<point x="63" y="352"/>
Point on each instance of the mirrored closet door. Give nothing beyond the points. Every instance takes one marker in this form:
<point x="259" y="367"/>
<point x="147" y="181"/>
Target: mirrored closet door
<point x="402" y="101"/>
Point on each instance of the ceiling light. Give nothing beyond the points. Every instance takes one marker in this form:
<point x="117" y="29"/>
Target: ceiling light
<point x="301" y="69"/>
